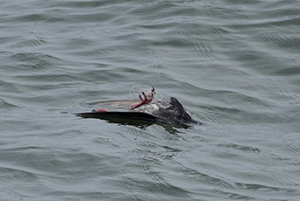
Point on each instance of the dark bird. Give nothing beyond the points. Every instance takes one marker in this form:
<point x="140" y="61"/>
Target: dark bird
<point x="145" y="112"/>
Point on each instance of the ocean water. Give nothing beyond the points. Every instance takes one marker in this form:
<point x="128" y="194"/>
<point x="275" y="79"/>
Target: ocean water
<point x="234" y="64"/>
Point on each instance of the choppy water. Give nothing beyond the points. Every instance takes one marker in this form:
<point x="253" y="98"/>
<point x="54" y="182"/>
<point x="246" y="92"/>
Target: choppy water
<point x="234" y="64"/>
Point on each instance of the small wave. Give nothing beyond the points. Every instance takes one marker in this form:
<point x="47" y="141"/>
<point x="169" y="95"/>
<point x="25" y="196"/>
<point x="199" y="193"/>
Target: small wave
<point x="243" y="148"/>
<point x="6" y="106"/>
<point x="31" y="43"/>
<point x="287" y="40"/>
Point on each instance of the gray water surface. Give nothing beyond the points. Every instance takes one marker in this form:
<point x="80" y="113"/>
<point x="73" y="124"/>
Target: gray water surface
<point x="233" y="64"/>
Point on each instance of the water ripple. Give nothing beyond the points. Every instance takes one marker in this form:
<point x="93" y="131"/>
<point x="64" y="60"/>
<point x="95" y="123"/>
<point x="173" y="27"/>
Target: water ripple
<point x="286" y="41"/>
<point x="241" y="148"/>
<point x="234" y="65"/>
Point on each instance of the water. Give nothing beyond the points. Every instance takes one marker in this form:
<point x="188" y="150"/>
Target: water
<point x="234" y="64"/>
